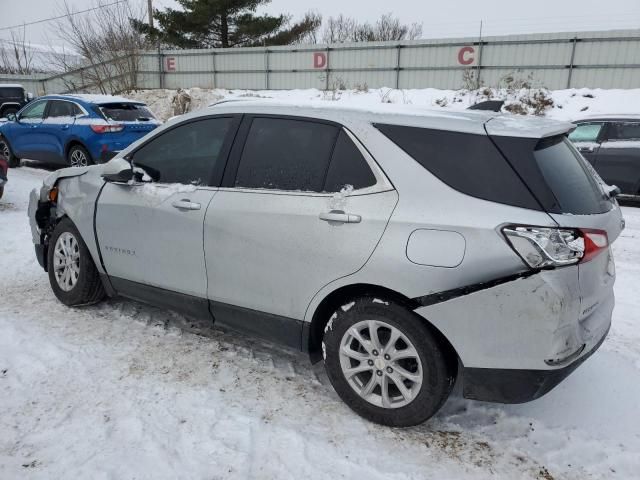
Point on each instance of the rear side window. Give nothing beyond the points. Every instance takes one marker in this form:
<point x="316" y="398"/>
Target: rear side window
<point x="185" y="154"/>
<point x="125" y="112"/>
<point x="586" y="132"/>
<point x="348" y="167"/>
<point x="466" y="162"/>
<point x="59" y="108"/>
<point x="284" y="154"/>
<point x="624" y="131"/>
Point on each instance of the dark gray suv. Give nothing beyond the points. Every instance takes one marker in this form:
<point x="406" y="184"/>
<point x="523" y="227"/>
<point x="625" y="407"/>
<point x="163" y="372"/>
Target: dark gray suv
<point x="12" y="98"/>
<point x="612" y="145"/>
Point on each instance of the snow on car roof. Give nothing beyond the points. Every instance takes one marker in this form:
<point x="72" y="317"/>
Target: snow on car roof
<point x="10" y="85"/>
<point x="610" y="116"/>
<point x="468" y="121"/>
<point x="101" y="99"/>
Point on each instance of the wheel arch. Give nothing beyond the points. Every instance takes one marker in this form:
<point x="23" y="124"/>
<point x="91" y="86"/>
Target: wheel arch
<point x="71" y="143"/>
<point x="347" y="293"/>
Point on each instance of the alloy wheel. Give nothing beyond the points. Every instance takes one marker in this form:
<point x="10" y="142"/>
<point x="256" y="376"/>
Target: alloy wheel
<point x="78" y="158"/>
<point x="66" y="261"/>
<point x="381" y="364"/>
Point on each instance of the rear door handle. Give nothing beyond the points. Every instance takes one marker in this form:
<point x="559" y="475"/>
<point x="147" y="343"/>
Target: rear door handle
<point x="185" y="204"/>
<point x="340" y="216"/>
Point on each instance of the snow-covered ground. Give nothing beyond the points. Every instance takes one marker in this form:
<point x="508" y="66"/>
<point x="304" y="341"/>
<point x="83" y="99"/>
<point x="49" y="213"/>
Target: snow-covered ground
<point x="569" y="104"/>
<point x="122" y="391"/>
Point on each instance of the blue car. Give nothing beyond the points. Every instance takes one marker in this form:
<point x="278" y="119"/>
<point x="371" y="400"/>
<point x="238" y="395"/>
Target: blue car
<point x="74" y="130"/>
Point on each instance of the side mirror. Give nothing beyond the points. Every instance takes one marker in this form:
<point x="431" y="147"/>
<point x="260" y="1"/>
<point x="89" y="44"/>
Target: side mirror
<point x="117" y="170"/>
<point x="123" y="176"/>
<point x="29" y="96"/>
<point x="12" y="117"/>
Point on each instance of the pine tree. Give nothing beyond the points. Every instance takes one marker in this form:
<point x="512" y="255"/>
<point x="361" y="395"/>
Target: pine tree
<point x="225" y="23"/>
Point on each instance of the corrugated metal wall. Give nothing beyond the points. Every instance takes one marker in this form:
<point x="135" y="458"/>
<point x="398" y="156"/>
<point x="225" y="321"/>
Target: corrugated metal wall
<point x="558" y="60"/>
<point x="562" y="60"/>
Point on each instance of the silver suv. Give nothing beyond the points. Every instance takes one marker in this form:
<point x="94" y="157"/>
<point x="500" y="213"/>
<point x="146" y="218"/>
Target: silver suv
<point x="405" y="248"/>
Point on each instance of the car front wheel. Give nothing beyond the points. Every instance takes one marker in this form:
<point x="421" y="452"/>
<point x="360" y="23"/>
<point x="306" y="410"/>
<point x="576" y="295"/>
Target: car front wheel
<point x="73" y="276"/>
<point x="385" y="364"/>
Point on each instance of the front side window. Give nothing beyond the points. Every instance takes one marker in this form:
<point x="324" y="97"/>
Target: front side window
<point x="624" y="131"/>
<point x="283" y="154"/>
<point x="586" y="132"/>
<point x="186" y="154"/>
<point x="34" y="112"/>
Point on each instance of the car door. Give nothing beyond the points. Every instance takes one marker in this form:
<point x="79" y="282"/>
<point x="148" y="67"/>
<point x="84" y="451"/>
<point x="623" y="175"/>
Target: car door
<point x="587" y="137"/>
<point x="618" y="161"/>
<point x="285" y="223"/>
<point x="150" y="232"/>
<point x="26" y="136"/>
<point x="60" y="116"/>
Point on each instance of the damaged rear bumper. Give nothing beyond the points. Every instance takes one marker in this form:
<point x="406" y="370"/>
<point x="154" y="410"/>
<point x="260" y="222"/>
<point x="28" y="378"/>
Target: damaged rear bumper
<point x="519" y="338"/>
<point x="516" y="386"/>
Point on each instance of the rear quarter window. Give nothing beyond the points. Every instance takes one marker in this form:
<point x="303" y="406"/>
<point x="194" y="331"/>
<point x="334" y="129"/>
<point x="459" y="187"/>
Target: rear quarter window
<point x="466" y="162"/>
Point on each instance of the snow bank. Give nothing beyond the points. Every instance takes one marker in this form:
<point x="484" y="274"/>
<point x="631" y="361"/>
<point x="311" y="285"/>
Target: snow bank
<point x="567" y="104"/>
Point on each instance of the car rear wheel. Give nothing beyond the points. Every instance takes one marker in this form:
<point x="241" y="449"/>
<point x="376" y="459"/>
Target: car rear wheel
<point x="6" y="152"/>
<point x="1" y="191"/>
<point x="73" y="276"/>
<point x="79" y="156"/>
<point x="385" y="364"/>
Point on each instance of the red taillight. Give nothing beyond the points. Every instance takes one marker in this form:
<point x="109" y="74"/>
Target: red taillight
<point x="544" y="247"/>
<point x="595" y="242"/>
<point x="107" y="128"/>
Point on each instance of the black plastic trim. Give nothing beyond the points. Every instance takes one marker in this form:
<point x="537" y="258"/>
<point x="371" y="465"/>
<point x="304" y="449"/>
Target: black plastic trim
<point x="503" y="385"/>
<point x="285" y="331"/>
<point x="275" y="328"/>
<point x="439" y="297"/>
<point x="188" y="304"/>
<point x="40" y="256"/>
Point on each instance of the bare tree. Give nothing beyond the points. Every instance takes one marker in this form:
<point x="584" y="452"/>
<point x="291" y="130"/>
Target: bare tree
<point x="16" y="56"/>
<point x="343" y="29"/>
<point x="108" y="44"/>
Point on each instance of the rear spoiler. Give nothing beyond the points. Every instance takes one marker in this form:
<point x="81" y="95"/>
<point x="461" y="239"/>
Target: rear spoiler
<point x="490" y="105"/>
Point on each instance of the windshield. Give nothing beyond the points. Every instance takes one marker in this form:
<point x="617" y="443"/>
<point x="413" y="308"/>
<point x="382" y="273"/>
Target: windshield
<point x="126" y="112"/>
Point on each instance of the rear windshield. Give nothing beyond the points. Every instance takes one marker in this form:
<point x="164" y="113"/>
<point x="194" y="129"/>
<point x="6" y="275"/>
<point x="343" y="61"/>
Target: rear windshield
<point x="556" y="174"/>
<point x="576" y="190"/>
<point x="125" y="112"/>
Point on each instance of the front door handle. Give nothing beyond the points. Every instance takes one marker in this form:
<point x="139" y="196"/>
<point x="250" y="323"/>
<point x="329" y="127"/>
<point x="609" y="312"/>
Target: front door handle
<point x="185" y="204"/>
<point x="340" y="216"/>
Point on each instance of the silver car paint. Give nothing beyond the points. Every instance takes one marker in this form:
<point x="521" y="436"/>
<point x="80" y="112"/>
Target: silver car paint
<point x="531" y="320"/>
<point x="136" y="245"/>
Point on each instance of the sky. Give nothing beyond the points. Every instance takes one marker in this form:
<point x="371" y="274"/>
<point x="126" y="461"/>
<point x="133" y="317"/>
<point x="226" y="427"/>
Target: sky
<point x="449" y="18"/>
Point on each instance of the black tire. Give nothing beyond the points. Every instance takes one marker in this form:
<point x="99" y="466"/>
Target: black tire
<point x="6" y="151"/>
<point x="1" y="191"/>
<point x="88" y="287"/>
<point x="81" y="151"/>
<point x="437" y="375"/>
